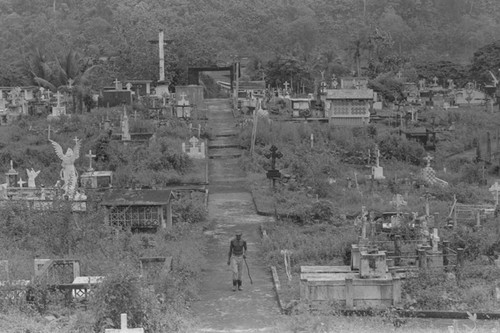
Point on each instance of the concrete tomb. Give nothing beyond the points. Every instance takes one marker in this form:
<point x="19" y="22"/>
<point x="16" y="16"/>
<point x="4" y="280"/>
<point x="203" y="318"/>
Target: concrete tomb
<point x="196" y="149"/>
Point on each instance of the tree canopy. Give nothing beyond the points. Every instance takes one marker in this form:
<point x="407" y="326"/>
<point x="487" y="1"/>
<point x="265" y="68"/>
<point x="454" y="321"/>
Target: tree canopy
<point x="373" y="36"/>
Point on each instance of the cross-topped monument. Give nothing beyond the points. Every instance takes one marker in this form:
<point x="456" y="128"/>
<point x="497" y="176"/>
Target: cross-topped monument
<point x="435" y="79"/>
<point x="286" y="84"/>
<point x="117" y="84"/>
<point x="273" y="155"/>
<point x="58" y="96"/>
<point x="90" y="156"/>
<point x="123" y="327"/>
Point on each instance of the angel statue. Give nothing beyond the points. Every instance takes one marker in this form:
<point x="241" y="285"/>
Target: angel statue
<point x="68" y="172"/>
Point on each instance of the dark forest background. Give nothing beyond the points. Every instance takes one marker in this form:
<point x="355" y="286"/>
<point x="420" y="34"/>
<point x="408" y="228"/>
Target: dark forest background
<point x="49" y="41"/>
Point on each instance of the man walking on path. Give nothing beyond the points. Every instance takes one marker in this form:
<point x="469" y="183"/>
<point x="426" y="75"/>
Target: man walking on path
<point x="237" y="254"/>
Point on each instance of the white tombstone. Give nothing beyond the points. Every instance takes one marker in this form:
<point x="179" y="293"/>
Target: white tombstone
<point x="377" y="170"/>
<point x="128" y="86"/>
<point x="196" y="149"/>
<point x="58" y="110"/>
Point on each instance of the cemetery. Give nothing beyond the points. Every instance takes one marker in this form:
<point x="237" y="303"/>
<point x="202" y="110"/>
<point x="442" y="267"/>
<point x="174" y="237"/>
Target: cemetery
<point x="354" y="145"/>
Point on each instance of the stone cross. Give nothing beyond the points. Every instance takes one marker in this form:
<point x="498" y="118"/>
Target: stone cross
<point x="123" y="327"/>
<point x="435" y="79"/>
<point x="70" y="83"/>
<point x="335" y="84"/>
<point x="399" y="74"/>
<point x="286" y="84"/>
<point x="183" y="95"/>
<point x="21" y="182"/>
<point x="273" y="156"/>
<point x="377" y="156"/>
<point x="494" y="189"/>
<point x="90" y="156"/>
<point x="435" y="240"/>
<point x="193" y="141"/>
<point x="428" y="159"/>
<point x="116" y="82"/>
<point x="58" y="96"/>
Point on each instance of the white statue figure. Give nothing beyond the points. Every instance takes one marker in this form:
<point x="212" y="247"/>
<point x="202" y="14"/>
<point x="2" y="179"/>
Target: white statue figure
<point x="68" y="172"/>
<point x="31" y="177"/>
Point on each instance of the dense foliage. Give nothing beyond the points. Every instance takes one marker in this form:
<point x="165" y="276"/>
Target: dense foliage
<point x="57" y="40"/>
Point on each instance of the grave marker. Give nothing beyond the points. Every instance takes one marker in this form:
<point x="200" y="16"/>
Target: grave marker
<point x="58" y="110"/>
<point x="196" y="149"/>
<point x="21" y="182"/>
<point x="123" y="327"/>
<point x="90" y="156"/>
<point x="377" y="170"/>
<point x="494" y="189"/>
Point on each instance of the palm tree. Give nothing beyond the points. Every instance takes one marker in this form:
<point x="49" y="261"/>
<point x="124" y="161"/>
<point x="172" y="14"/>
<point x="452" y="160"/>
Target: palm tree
<point x="69" y="74"/>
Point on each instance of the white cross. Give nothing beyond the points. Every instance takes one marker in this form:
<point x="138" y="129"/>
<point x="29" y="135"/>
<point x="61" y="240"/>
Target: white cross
<point x="494" y="189"/>
<point x="399" y="74"/>
<point x="116" y="83"/>
<point x="90" y="157"/>
<point x="286" y="84"/>
<point x="21" y="182"/>
<point x="58" y="95"/>
<point x="11" y="165"/>
<point x="123" y="327"/>
<point x="193" y="141"/>
<point x="428" y="159"/>
<point x="183" y="95"/>
<point x="75" y="139"/>
<point x="435" y="79"/>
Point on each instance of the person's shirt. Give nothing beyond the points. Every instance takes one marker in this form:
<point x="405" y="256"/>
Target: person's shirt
<point x="237" y="247"/>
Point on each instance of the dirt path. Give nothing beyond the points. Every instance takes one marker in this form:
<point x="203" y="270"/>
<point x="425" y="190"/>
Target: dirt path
<point x="219" y="309"/>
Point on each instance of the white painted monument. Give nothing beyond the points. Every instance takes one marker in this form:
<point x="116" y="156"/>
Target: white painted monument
<point x="68" y="172"/>
<point x="377" y="170"/>
<point x="196" y="149"/>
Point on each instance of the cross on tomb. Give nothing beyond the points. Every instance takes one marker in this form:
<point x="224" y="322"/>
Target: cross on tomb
<point x="273" y="156"/>
<point x="494" y="189"/>
<point x="193" y="141"/>
<point x="116" y="82"/>
<point x="435" y="79"/>
<point x="21" y="182"/>
<point x="58" y="96"/>
<point x="90" y="156"/>
<point x="123" y="327"/>
<point x="399" y="74"/>
<point x="183" y="95"/>
<point x="286" y="84"/>
<point x="428" y="159"/>
<point x="76" y="139"/>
